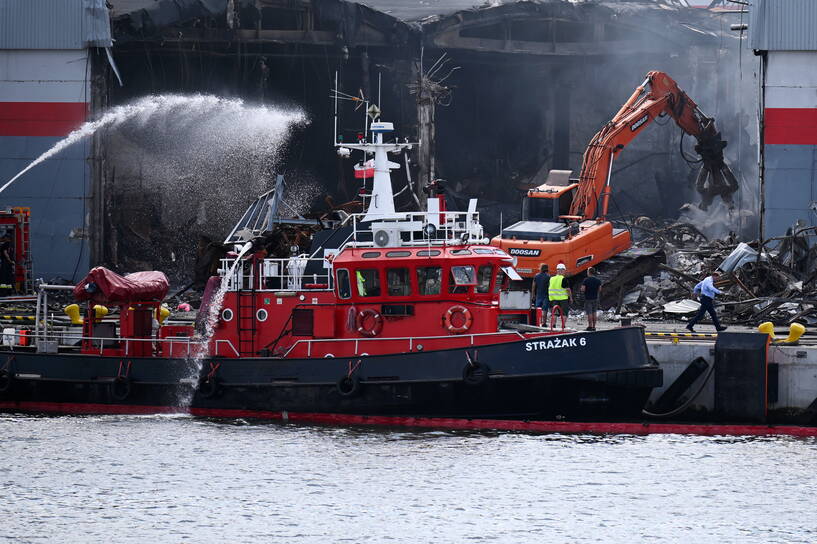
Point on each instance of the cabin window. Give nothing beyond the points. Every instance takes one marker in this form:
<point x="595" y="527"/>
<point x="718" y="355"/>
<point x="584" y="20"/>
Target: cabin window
<point x="484" y="251"/>
<point x="429" y="253"/>
<point x="460" y="252"/>
<point x="344" y="287"/>
<point x="484" y="278"/>
<point x="368" y="282"/>
<point x="460" y="278"/>
<point x="429" y="280"/>
<point x="399" y="282"/>
<point x="398" y="254"/>
<point x="499" y="282"/>
<point x="371" y="254"/>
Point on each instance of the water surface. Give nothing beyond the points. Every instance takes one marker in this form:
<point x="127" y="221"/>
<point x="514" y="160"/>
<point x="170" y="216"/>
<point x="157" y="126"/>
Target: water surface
<point x="180" y="479"/>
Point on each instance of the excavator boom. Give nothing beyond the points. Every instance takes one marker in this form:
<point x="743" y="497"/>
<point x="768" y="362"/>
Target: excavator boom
<point x="659" y="95"/>
<point x="565" y="222"/>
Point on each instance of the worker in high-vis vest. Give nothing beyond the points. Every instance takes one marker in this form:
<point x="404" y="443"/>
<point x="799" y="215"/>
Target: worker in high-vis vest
<point x="558" y="291"/>
<point x="361" y="284"/>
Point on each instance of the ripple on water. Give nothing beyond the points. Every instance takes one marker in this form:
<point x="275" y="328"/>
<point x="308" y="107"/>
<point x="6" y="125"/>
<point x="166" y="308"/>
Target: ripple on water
<point x="174" y="478"/>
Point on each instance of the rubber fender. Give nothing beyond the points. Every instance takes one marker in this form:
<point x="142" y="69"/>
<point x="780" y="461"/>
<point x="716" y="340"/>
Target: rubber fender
<point x="669" y="398"/>
<point x="120" y="388"/>
<point x="348" y="386"/>
<point x="209" y="388"/>
<point x="796" y="330"/>
<point x="475" y="373"/>
<point x="6" y="380"/>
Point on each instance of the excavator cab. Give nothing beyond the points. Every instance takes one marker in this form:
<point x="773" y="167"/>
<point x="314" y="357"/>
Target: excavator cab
<point x="551" y="200"/>
<point x="545" y="210"/>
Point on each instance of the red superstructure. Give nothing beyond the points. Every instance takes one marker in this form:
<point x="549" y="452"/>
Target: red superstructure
<point x="372" y="300"/>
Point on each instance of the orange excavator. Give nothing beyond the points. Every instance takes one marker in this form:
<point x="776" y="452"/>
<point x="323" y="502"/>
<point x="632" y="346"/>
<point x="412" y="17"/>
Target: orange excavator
<point x="565" y="220"/>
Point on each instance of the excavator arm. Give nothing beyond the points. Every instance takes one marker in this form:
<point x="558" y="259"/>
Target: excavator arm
<point x="658" y="95"/>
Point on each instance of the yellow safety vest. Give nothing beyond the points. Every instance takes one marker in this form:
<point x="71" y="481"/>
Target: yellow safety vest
<point x="361" y="283"/>
<point x="555" y="289"/>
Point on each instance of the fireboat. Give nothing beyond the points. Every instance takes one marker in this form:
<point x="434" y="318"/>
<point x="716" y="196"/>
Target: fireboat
<point x="409" y="314"/>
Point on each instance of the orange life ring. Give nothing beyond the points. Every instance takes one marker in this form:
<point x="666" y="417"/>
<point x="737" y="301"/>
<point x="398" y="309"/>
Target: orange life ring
<point x="360" y="322"/>
<point x="448" y="322"/>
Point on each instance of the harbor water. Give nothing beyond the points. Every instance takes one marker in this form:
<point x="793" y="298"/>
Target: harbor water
<point x="181" y="479"/>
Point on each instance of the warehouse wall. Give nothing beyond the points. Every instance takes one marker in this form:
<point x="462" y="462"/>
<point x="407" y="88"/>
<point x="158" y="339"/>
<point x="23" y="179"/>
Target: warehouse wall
<point x="790" y="139"/>
<point x="44" y="95"/>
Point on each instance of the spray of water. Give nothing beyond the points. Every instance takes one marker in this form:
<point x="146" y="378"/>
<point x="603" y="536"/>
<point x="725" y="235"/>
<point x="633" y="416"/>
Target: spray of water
<point x="201" y="349"/>
<point x="228" y="118"/>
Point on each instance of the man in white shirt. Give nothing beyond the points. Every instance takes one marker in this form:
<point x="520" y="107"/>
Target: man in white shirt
<point x="707" y="290"/>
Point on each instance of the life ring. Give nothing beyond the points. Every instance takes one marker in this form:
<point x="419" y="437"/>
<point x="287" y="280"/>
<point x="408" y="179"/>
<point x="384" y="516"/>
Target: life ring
<point x="120" y="388"/>
<point x="6" y="379"/>
<point x="362" y="318"/>
<point x="348" y="386"/>
<point x="448" y="319"/>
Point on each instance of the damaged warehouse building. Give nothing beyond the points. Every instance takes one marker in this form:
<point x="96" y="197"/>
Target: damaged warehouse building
<point x="498" y="95"/>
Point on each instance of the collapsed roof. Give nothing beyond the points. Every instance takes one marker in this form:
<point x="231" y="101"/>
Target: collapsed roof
<point x="538" y="27"/>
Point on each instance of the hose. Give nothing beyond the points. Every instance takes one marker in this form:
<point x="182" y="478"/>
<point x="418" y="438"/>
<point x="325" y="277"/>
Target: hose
<point x="689" y="401"/>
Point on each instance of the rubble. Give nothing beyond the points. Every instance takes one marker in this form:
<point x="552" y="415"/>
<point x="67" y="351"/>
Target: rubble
<point x="761" y="282"/>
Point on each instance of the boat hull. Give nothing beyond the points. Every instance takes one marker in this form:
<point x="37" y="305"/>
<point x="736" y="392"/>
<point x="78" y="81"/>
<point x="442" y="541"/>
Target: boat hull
<point x="606" y="375"/>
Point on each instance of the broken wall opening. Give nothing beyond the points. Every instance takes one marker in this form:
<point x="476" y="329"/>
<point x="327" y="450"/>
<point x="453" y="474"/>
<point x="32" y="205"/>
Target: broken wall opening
<point x="536" y="81"/>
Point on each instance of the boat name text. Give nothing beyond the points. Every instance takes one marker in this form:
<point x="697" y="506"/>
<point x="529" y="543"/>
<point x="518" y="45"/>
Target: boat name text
<point x="556" y="343"/>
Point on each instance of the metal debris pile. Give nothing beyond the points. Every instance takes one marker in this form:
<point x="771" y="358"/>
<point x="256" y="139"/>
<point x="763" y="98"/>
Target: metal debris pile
<point x="777" y="283"/>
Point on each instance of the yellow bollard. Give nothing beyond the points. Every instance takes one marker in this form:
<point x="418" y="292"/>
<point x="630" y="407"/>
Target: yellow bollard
<point x="767" y="328"/>
<point x="72" y="311"/>
<point x="796" y="330"/>
<point x="164" y="312"/>
<point x="99" y="312"/>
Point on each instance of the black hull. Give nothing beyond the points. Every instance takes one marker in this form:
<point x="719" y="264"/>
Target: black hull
<point x="601" y="376"/>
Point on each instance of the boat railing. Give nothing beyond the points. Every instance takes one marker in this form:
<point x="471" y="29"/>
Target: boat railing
<point x="411" y="342"/>
<point x="41" y="317"/>
<point x="298" y="273"/>
<point x="52" y="340"/>
<point x="417" y="229"/>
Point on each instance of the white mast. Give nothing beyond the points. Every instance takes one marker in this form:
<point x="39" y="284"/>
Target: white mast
<point x="381" y="204"/>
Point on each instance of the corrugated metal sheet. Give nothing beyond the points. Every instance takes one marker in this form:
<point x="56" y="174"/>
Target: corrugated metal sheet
<point x="54" y="24"/>
<point x="783" y="25"/>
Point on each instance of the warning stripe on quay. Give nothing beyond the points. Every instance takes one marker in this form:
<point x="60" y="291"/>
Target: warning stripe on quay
<point x="682" y="334"/>
<point x="566" y="427"/>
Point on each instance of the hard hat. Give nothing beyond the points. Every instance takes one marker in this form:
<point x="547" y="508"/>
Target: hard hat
<point x="561" y="266"/>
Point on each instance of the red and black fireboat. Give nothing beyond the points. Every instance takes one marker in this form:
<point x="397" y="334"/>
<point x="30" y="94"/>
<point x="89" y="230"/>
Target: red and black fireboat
<point x="393" y="314"/>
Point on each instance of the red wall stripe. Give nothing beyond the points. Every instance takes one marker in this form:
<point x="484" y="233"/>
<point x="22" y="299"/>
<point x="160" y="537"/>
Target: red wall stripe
<point x="41" y="118"/>
<point x="790" y="126"/>
<point x="572" y="427"/>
